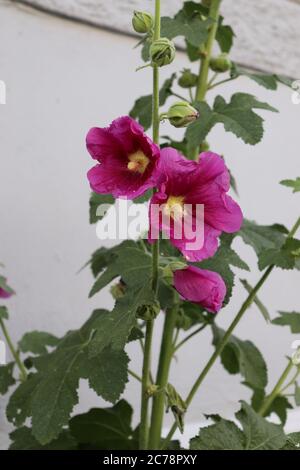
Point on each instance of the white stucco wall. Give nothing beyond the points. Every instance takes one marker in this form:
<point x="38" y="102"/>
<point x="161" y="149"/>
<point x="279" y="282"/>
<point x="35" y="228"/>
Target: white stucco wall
<point x="61" y="79"/>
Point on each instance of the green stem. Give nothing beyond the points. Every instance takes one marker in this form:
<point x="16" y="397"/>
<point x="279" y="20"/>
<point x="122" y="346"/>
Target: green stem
<point x="134" y="375"/>
<point x="202" y="84"/>
<point x="179" y="96"/>
<point x="23" y="372"/>
<point x="165" y="357"/>
<point x="276" y="390"/>
<point x="210" y="87"/>
<point x="144" y="428"/>
<point x="227" y="335"/>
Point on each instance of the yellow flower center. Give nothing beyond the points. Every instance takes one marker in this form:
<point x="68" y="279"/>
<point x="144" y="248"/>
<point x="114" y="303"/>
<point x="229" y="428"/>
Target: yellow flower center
<point x="175" y="207"/>
<point x="138" y="162"/>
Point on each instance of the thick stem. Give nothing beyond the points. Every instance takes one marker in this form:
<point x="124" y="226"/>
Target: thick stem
<point x="227" y="335"/>
<point x="276" y="390"/>
<point x="23" y="372"/>
<point x="144" y="427"/>
<point x="166" y="352"/>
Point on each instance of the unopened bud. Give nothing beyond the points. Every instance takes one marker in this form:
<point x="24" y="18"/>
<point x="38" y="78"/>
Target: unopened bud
<point x="148" y="312"/>
<point x="118" y="290"/>
<point x="162" y="52"/>
<point x="204" y="146"/>
<point x="221" y="63"/>
<point x="181" y="114"/>
<point x="188" y="79"/>
<point x="142" y="22"/>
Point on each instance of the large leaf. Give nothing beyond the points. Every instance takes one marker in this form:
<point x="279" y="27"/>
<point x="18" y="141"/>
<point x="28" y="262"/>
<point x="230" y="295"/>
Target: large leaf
<point x="189" y="22"/>
<point x="49" y="395"/>
<point x="96" y="200"/>
<point x="294" y="184"/>
<point x="242" y="357"/>
<point x="279" y="406"/>
<point x="237" y="116"/>
<point x="292" y="442"/>
<point x="142" y="109"/>
<point x="36" y="342"/>
<point x="22" y="439"/>
<point x="106" y="428"/>
<point x="262" y="237"/>
<point x="284" y="257"/>
<point x="291" y="319"/>
<point x="6" y="377"/>
<point x="256" y="434"/>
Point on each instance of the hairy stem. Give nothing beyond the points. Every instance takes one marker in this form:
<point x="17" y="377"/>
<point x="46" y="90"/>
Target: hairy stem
<point x="165" y="357"/>
<point x="15" y="354"/>
<point x="144" y="425"/>
<point x="227" y="335"/>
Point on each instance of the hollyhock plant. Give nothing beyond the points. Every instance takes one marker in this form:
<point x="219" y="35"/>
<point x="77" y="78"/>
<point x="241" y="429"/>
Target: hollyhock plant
<point x="186" y="186"/>
<point x="127" y="159"/>
<point x="203" y="287"/>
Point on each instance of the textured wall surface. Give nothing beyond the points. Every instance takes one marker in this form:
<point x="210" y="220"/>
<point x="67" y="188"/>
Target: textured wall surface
<point x="268" y="31"/>
<point x="63" y="78"/>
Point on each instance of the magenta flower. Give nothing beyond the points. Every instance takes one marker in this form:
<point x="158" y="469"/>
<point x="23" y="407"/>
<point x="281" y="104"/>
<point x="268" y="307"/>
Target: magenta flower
<point x="127" y="157"/>
<point x="200" y="286"/>
<point x="5" y="290"/>
<point x="193" y="194"/>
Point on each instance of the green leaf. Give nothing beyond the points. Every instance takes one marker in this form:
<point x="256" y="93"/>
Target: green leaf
<point x="262" y="237"/>
<point x="106" y="428"/>
<point x="36" y="342"/>
<point x="142" y="109"/>
<point x="191" y="22"/>
<point x="284" y="257"/>
<point x="291" y="319"/>
<point x="104" y="256"/>
<point x="268" y="81"/>
<point x="6" y="377"/>
<point x="292" y="442"/>
<point x="242" y="357"/>
<point x="279" y="406"/>
<point x="50" y="395"/>
<point x="263" y="310"/>
<point x="294" y="184"/>
<point x="237" y="116"/>
<point x="3" y="313"/>
<point x="224" y="37"/>
<point x="224" y="435"/>
<point x="134" y="267"/>
<point x="97" y="200"/>
<point x="259" y="433"/>
<point x="22" y="439"/>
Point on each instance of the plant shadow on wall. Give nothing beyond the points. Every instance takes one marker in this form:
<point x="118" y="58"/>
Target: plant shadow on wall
<point x="164" y="277"/>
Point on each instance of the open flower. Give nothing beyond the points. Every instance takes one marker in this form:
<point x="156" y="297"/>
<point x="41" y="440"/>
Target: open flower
<point x="127" y="159"/>
<point x="5" y="290"/>
<point x="200" y="286"/>
<point x="191" y="206"/>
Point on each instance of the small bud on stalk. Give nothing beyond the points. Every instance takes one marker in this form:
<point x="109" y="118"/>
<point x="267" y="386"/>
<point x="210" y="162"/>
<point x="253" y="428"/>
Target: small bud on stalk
<point x="221" y="63"/>
<point x="162" y="52"/>
<point x="142" y="22"/>
<point x="188" y="79"/>
<point x="148" y="312"/>
<point x="181" y="114"/>
<point x="118" y="290"/>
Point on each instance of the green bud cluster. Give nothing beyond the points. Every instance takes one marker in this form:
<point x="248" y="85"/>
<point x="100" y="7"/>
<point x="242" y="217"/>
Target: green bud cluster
<point x="188" y="79"/>
<point x="221" y="63"/>
<point x="181" y="114"/>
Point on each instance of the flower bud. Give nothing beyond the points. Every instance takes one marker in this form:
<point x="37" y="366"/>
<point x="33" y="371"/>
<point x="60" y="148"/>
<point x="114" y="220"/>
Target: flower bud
<point x="187" y="79"/>
<point x="148" y="312"/>
<point x="181" y="114"/>
<point x="162" y="52"/>
<point x="118" y="290"/>
<point x="204" y="146"/>
<point x="221" y="63"/>
<point x="142" y="22"/>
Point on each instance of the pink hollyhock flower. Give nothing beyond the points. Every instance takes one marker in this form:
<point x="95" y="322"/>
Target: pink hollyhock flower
<point x="200" y="286"/>
<point x="128" y="159"/>
<point x="5" y="290"/>
<point x="191" y="206"/>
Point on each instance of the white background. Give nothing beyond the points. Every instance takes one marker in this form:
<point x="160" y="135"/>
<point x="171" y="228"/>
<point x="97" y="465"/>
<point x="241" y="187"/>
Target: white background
<point x="63" y="78"/>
